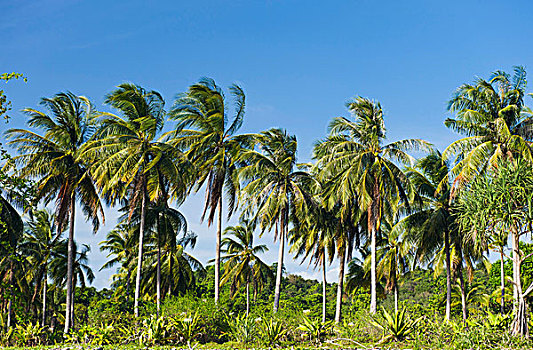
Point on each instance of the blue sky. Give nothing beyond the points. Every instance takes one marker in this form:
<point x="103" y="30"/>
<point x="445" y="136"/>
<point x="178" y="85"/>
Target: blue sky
<point x="298" y="61"/>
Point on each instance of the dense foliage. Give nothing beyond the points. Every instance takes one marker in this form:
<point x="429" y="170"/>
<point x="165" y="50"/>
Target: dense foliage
<point x="411" y="236"/>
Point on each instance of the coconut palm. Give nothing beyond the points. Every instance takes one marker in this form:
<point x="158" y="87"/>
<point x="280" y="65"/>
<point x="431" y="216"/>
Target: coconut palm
<point x="121" y="245"/>
<point x="81" y="271"/>
<point x="131" y="162"/>
<point x="54" y="160"/>
<point x="39" y="243"/>
<point x="361" y="166"/>
<point x="496" y="123"/>
<point x="431" y="225"/>
<point x="168" y="237"/>
<point x="274" y="188"/>
<point x="393" y="254"/>
<point x="209" y="135"/>
<point x="242" y="264"/>
<point x="314" y="239"/>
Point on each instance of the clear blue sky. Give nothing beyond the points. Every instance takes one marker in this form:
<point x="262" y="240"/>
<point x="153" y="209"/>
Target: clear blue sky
<point x="298" y="61"/>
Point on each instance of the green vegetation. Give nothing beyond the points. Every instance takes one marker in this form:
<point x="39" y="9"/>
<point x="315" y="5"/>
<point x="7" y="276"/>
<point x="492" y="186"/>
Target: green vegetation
<point x="411" y="236"/>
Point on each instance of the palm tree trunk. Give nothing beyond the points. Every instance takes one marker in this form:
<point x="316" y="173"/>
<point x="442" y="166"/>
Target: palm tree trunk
<point x="463" y="295"/>
<point x="396" y="297"/>
<point x="448" y="275"/>
<point x="128" y="277"/>
<point x="340" y="285"/>
<point x="72" y="303"/>
<point x="10" y="302"/>
<point x="217" y="253"/>
<point x="247" y="298"/>
<point x="158" y="287"/>
<point x="279" y="272"/>
<point x="70" y="265"/>
<point x="502" y="282"/>
<point x="140" y="256"/>
<point x="324" y="285"/>
<point x="45" y="285"/>
<point x="373" y="222"/>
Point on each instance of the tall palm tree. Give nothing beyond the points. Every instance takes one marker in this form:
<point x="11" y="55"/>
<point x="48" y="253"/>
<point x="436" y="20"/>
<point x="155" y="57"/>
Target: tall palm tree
<point x="39" y="243"/>
<point x="495" y="121"/>
<point x="54" y="159"/>
<point x="129" y="157"/>
<point x="274" y="188"/>
<point x="242" y="263"/>
<point x="361" y="166"/>
<point x="209" y="135"/>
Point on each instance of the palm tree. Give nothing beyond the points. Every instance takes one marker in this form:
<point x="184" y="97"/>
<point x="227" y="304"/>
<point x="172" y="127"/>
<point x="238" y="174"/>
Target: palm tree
<point x="393" y="254"/>
<point x="165" y="225"/>
<point x="315" y="237"/>
<point x="178" y="267"/>
<point x="496" y="123"/>
<point x="242" y="263"/>
<point x="431" y="225"/>
<point x="205" y="130"/>
<point x="362" y="167"/>
<point x="121" y="244"/>
<point x="39" y="243"/>
<point x="130" y="162"/>
<point x="81" y="271"/>
<point x="54" y="159"/>
<point x="316" y="243"/>
<point x="274" y="188"/>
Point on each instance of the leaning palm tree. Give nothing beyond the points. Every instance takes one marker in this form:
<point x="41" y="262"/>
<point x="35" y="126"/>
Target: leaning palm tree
<point x="54" y="160"/>
<point x="205" y="130"/>
<point x="242" y="264"/>
<point x="355" y="158"/>
<point x="495" y="121"/>
<point x="130" y="161"/>
<point x="273" y="188"/>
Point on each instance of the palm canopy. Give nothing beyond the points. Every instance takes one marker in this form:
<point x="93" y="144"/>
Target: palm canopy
<point x="82" y="272"/>
<point x="242" y="263"/>
<point x="128" y="152"/>
<point x="495" y="121"/>
<point x="432" y="213"/>
<point x="273" y="186"/>
<point x="178" y="267"/>
<point x="356" y="161"/>
<point x="54" y="157"/>
<point x="210" y="138"/>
